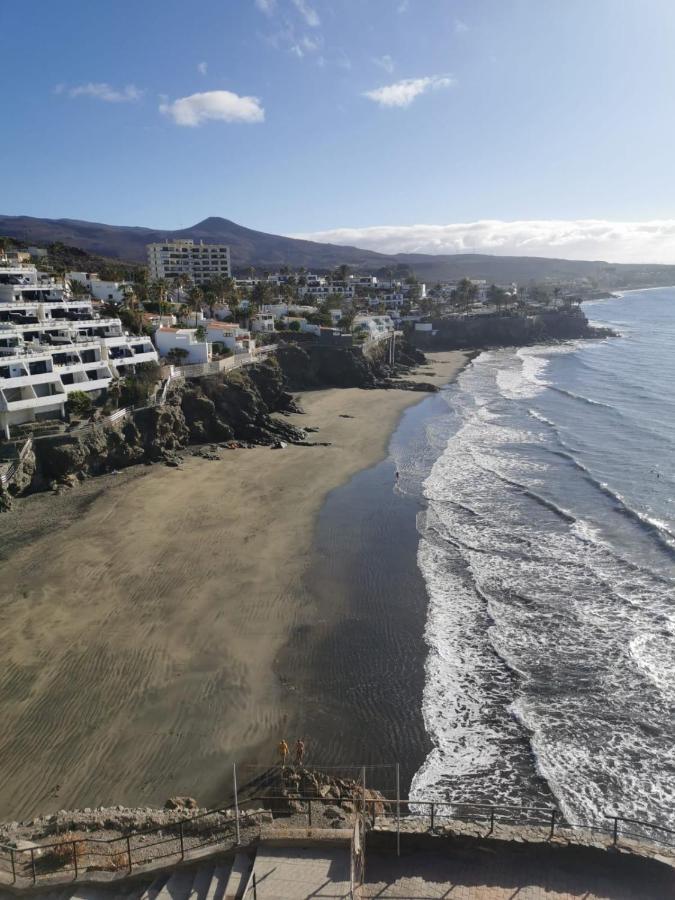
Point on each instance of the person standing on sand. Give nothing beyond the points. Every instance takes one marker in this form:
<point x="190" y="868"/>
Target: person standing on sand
<point x="282" y="750"/>
<point x="299" y="751"/>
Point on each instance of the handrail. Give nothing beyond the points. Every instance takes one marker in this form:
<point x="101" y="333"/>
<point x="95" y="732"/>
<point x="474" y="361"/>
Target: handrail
<point x="178" y="834"/>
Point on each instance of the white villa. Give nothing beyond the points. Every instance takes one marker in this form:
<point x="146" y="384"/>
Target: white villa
<point x="52" y="344"/>
<point x="168" y="339"/>
<point x="231" y="336"/>
<point x="110" y="291"/>
<point x="373" y="326"/>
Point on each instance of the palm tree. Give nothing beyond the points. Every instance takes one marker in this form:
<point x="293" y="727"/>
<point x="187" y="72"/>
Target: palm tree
<point x="180" y="282"/>
<point x="159" y="290"/>
<point x="195" y="299"/>
<point x="140" y="285"/>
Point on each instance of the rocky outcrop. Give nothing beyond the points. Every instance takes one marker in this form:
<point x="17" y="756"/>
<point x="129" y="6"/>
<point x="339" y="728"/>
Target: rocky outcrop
<point x="229" y="408"/>
<point x="319" y="365"/>
<point x="225" y="408"/>
<point x="482" y="332"/>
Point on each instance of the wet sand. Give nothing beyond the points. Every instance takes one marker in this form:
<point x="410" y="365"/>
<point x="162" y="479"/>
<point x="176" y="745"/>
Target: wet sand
<point x="142" y="615"/>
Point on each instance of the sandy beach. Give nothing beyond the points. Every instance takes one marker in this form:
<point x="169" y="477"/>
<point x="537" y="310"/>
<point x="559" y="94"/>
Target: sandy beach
<point x="141" y="614"/>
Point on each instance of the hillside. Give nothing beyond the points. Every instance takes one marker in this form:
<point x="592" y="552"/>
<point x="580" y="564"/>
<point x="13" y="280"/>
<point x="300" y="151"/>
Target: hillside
<point x="269" y="251"/>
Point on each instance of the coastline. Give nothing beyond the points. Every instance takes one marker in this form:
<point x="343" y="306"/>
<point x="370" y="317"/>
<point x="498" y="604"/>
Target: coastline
<point x="143" y="613"/>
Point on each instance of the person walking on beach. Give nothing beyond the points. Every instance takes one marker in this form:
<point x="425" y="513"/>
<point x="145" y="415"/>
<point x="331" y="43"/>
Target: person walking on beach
<point x="282" y="750"/>
<point x="299" y="751"/>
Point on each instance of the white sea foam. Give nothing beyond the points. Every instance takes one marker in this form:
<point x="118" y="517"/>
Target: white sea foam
<point x="551" y="655"/>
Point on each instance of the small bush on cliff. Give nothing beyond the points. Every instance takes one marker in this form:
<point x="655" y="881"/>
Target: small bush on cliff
<point x="78" y="404"/>
<point x="138" y="387"/>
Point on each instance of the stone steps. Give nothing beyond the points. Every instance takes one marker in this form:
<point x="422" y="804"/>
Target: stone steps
<point x="209" y="881"/>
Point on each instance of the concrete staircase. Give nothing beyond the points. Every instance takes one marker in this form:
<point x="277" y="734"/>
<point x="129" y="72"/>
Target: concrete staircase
<point x="208" y="881"/>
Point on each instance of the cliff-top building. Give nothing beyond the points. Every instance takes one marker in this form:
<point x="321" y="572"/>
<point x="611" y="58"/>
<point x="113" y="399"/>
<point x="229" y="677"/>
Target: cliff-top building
<point x="52" y="343"/>
<point x="200" y="262"/>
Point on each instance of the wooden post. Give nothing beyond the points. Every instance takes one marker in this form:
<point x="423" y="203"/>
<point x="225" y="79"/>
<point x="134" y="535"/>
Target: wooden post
<point x="309" y="812"/>
<point x="182" y="843"/>
<point x="255" y="888"/>
<point x="11" y="854"/>
<point x="431" y="826"/>
<point x="236" y="804"/>
<point x="129" y="853"/>
<point x="75" y="857"/>
<point x="398" y="810"/>
<point x="616" y="830"/>
<point x="32" y="864"/>
<point x="553" y="815"/>
<point x="492" y="819"/>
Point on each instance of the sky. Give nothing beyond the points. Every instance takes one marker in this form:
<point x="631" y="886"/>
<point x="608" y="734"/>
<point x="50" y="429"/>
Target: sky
<point x="539" y="127"/>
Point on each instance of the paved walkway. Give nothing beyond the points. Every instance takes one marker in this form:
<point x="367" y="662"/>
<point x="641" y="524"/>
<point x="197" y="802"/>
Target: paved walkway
<point x="495" y="875"/>
<point x="298" y="873"/>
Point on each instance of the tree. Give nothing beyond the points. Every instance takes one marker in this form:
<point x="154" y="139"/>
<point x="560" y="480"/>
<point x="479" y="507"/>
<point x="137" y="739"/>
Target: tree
<point x="179" y="283"/>
<point x="137" y="388"/>
<point x="77" y="289"/>
<point x="78" y="403"/>
<point x="159" y="292"/>
<point x="177" y="355"/>
<point x="140" y="285"/>
<point x="195" y="298"/>
<point x="200" y="333"/>
<point x="496" y="296"/>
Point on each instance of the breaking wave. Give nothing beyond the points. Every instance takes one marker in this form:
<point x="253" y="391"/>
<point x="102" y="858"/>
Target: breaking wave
<point x="550" y="571"/>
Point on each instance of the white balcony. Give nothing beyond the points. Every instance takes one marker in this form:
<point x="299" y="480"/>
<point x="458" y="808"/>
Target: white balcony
<point x="53" y="400"/>
<point x="27" y="380"/>
<point x="88" y="385"/>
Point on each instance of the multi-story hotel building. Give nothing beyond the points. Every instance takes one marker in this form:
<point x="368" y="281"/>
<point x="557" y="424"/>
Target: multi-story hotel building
<point x="200" y="262"/>
<point x="52" y="344"/>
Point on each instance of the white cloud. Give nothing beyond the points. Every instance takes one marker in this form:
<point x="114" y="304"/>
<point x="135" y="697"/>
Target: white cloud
<point x="266" y="6"/>
<point x="402" y="93"/>
<point x="223" y="106"/>
<point x="203" y="68"/>
<point x="646" y="242"/>
<point x="103" y="91"/>
<point x="304" y="45"/>
<point x="460" y="27"/>
<point x="402" y="7"/>
<point x="309" y="14"/>
<point x="385" y="62"/>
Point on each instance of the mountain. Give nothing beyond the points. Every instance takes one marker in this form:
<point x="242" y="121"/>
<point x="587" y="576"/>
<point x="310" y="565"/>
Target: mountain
<point x="248" y="247"/>
<point x="269" y="251"/>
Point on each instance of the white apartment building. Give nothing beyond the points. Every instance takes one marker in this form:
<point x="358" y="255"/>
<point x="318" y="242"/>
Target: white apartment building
<point x="199" y="262"/>
<point x="52" y="344"/>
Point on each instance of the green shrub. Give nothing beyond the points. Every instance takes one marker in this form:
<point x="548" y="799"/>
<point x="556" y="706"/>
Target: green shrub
<point x="79" y="404"/>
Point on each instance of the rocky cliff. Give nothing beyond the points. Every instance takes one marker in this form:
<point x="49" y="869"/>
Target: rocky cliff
<point x="310" y="366"/>
<point x="234" y="408"/>
<point x="237" y="407"/>
<point x="481" y="332"/>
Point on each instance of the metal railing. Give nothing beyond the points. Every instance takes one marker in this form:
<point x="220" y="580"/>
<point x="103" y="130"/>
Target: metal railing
<point x="72" y="855"/>
<point x="9" y="474"/>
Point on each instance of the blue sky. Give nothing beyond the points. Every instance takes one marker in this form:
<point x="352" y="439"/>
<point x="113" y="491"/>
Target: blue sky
<point x="315" y="116"/>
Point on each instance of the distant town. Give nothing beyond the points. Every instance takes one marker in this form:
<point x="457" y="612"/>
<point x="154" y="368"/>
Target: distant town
<point x="78" y="344"/>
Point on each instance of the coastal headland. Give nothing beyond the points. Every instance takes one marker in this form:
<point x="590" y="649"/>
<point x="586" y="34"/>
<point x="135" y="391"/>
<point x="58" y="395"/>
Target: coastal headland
<point x="143" y="612"/>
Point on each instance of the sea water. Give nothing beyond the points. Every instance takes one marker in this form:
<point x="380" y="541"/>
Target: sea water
<point x="547" y="544"/>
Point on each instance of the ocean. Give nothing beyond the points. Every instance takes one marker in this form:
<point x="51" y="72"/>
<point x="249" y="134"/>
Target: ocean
<point x="547" y="546"/>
